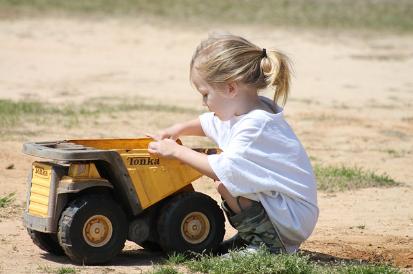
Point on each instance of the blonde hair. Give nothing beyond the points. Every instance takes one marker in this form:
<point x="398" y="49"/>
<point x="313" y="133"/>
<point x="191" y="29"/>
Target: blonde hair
<point x="225" y="57"/>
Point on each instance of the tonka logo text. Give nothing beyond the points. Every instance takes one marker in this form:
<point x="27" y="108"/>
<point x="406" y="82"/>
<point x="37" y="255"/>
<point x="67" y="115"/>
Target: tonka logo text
<point x="40" y="171"/>
<point x="142" y="161"/>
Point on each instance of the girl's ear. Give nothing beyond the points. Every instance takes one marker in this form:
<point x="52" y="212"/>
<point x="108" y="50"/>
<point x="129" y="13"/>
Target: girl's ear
<point x="232" y="89"/>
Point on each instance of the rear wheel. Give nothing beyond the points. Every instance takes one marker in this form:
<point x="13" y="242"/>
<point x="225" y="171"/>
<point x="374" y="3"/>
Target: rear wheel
<point x="92" y="229"/>
<point x="191" y="221"/>
<point x="46" y="241"/>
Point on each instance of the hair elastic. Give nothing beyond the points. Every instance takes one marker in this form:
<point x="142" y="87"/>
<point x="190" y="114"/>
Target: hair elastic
<point x="264" y="53"/>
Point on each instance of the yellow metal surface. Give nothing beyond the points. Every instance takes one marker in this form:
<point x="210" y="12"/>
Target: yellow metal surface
<point x="83" y="170"/>
<point x="153" y="178"/>
<point x="156" y="178"/>
<point x="140" y="143"/>
<point x="39" y="192"/>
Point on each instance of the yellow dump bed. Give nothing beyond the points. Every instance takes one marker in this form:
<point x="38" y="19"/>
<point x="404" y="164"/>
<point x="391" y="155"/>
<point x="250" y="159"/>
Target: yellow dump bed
<point x="153" y="178"/>
<point x="148" y="178"/>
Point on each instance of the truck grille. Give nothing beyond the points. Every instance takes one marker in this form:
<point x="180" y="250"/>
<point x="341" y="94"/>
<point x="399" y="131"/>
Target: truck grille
<point x="39" y="190"/>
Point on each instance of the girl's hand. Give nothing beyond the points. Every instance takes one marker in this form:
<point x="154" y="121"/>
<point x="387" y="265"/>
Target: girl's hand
<point x="189" y="128"/>
<point x="171" y="132"/>
<point x="166" y="148"/>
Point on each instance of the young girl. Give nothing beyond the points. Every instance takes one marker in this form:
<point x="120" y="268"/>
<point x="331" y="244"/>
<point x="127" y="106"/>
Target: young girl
<point x="263" y="174"/>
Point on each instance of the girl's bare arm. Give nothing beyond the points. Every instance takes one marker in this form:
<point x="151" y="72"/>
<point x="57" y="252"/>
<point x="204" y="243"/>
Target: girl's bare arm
<point x="168" y="148"/>
<point x="189" y="128"/>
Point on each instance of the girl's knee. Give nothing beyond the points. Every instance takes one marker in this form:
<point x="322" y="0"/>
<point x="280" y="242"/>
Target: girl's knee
<point x="217" y="185"/>
<point x="222" y="190"/>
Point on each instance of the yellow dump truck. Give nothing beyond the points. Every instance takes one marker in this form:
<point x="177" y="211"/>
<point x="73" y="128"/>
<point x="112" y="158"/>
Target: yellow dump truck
<point x="89" y="196"/>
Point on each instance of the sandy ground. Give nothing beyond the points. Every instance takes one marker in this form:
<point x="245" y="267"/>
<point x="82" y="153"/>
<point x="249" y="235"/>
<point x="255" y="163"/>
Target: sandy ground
<point x="351" y="104"/>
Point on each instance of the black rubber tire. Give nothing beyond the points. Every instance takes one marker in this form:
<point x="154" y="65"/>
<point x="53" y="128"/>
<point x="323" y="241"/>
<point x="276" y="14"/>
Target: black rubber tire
<point x="173" y="214"/>
<point x="73" y="220"/>
<point x="46" y="241"/>
<point x="151" y="246"/>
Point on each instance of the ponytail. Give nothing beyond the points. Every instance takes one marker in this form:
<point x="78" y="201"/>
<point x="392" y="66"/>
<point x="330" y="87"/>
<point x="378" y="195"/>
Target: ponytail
<point x="277" y="70"/>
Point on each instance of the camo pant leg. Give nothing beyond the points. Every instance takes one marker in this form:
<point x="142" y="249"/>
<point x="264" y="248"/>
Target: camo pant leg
<point x="254" y="226"/>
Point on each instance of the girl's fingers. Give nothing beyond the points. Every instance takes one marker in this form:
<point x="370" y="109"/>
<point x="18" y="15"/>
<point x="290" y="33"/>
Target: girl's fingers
<point x="153" y="147"/>
<point x="153" y="136"/>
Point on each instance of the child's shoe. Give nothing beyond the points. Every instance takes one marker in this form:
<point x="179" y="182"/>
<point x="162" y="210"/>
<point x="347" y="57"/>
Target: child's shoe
<point x="245" y="251"/>
<point x="235" y="242"/>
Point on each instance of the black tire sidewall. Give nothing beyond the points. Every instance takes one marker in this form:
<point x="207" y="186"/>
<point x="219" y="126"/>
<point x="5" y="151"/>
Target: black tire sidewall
<point x="81" y="210"/>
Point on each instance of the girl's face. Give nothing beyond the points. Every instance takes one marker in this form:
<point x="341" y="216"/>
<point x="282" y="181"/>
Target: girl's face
<point x="216" y="99"/>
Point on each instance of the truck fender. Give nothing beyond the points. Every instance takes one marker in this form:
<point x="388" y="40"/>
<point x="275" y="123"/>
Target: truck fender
<point x="77" y="185"/>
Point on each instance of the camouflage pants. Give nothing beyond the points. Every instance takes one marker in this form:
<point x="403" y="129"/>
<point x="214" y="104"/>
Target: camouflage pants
<point x="254" y="227"/>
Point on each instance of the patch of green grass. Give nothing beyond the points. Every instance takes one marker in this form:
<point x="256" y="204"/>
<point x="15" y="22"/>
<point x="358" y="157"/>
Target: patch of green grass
<point x="7" y="200"/>
<point x="349" y="14"/>
<point x="176" y="258"/>
<point x="164" y="270"/>
<point x="66" y="270"/>
<point x="332" y="178"/>
<point x="11" y="112"/>
<point x="126" y="106"/>
<point x="264" y="262"/>
<point x="16" y="113"/>
<point x="44" y="269"/>
<point x="60" y="270"/>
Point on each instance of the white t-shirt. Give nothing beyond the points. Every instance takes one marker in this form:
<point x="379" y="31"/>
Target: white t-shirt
<point x="263" y="160"/>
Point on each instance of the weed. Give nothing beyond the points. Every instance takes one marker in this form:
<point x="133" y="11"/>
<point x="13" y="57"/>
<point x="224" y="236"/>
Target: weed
<point x="65" y="270"/>
<point x="45" y="269"/>
<point x="265" y="262"/>
<point x="176" y="258"/>
<point x="331" y="178"/>
<point x="61" y="270"/>
<point x="164" y="270"/>
<point x="261" y="262"/>
<point x="7" y="200"/>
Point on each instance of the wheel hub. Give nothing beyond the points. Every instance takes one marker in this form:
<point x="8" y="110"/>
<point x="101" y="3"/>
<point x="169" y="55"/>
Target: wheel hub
<point x="195" y="227"/>
<point x="97" y="230"/>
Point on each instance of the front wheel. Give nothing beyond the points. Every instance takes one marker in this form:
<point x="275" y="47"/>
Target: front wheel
<point x="92" y="229"/>
<point x="191" y="221"/>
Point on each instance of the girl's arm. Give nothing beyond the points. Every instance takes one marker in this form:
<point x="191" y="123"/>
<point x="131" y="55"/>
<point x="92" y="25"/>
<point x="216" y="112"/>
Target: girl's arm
<point x="192" y="128"/>
<point x="168" y="148"/>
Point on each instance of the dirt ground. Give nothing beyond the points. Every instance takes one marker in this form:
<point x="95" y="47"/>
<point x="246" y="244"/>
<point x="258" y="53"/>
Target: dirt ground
<point x="351" y="104"/>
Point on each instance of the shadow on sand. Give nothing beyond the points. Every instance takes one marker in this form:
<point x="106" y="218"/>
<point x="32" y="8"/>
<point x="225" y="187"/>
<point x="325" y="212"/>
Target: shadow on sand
<point x="138" y="257"/>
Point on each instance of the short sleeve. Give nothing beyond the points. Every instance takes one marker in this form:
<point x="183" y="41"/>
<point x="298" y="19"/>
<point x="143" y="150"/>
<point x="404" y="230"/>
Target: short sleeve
<point x="208" y="125"/>
<point x="234" y="167"/>
<point x="232" y="171"/>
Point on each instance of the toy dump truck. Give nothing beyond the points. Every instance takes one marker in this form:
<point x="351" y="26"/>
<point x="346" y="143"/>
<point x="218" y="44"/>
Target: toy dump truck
<point x="92" y="195"/>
